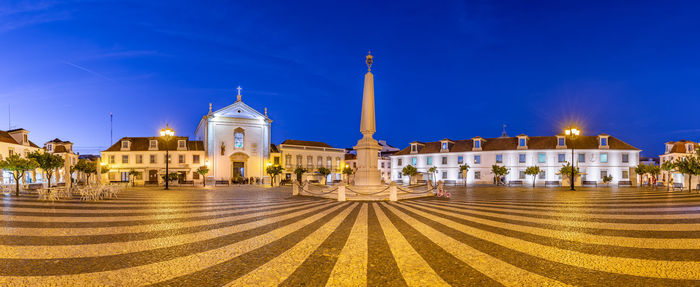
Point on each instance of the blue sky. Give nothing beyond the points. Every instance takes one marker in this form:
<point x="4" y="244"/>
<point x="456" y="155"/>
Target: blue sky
<point x="455" y="69"/>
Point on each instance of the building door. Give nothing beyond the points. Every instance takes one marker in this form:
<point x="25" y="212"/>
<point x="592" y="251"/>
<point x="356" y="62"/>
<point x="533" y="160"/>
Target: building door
<point x="153" y="175"/>
<point x="238" y="170"/>
<point x="181" y="176"/>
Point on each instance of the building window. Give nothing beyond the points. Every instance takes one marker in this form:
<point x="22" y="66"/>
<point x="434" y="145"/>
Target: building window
<point x="414" y="161"/>
<point x="603" y="141"/>
<point x="398" y="175"/>
<point x="603" y="173"/>
<point x="542" y="175"/>
<point x="460" y="159"/>
<point x="125" y="159"/>
<point x="125" y="144"/>
<point x="195" y="158"/>
<point x="181" y="158"/>
<point x="49" y="147"/>
<point x="541" y="157"/>
<point x="382" y="165"/>
<point x="444" y="160"/>
<point x="299" y="161"/>
<point x="195" y="175"/>
<point x="582" y="157"/>
<point x="310" y="161"/>
<point x="459" y="175"/>
<point x="561" y="157"/>
<point x="521" y="158"/>
<point x="429" y="160"/>
<point x="288" y="160"/>
<point x="444" y="175"/>
<point x="238" y="135"/>
<point x="477" y="159"/>
<point x="521" y="174"/>
<point x="625" y="174"/>
<point x="153" y="158"/>
<point x="522" y="142"/>
<point x="603" y="157"/>
<point x="399" y="162"/>
<point x="139" y="158"/>
<point x="499" y="158"/>
<point x="153" y="144"/>
<point x="337" y="162"/>
<point x="319" y="161"/>
<point x="444" y="146"/>
<point x="181" y="144"/>
<point x="625" y="158"/>
<point x="276" y="160"/>
<point x="477" y="175"/>
<point x="561" y="142"/>
<point x="477" y="144"/>
<point x="413" y="148"/>
<point x="111" y="157"/>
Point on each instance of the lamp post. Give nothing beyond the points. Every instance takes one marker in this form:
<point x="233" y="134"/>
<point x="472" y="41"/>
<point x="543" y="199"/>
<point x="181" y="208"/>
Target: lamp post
<point x="572" y="133"/>
<point x="166" y="133"/>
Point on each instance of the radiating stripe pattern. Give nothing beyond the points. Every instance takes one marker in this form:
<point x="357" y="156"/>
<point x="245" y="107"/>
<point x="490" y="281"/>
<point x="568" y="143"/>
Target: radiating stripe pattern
<point x="249" y="236"/>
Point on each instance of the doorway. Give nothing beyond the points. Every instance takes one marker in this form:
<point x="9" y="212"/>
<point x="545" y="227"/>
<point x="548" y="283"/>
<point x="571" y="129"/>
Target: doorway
<point x="238" y="171"/>
<point x="153" y="176"/>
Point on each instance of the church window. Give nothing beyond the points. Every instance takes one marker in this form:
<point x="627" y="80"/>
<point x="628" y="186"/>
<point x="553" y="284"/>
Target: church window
<point x="238" y="138"/>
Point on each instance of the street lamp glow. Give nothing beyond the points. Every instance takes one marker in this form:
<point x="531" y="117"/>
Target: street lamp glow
<point x="167" y="132"/>
<point x="572" y="132"/>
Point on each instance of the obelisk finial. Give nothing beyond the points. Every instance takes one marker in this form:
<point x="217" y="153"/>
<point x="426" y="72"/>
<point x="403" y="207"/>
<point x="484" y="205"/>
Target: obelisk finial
<point x="266" y="112"/>
<point x="210" y="108"/>
<point x="368" y="60"/>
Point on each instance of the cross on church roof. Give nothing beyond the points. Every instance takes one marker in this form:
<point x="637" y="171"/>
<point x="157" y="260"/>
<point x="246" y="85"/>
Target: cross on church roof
<point x="239" y="93"/>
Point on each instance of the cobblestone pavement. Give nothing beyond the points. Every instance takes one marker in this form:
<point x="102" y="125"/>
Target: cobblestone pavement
<point x="253" y="236"/>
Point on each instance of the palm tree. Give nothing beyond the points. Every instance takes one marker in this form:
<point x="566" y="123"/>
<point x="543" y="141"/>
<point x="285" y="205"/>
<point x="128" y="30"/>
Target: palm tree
<point x="499" y="172"/>
<point x="433" y="173"/>
<point x="607" y="179"/>
<point x="348" y="171"/>
<point x="324" y="172"/>
<point x="409" y="171"/>
<point x="534" y="171"/>
<point x="299" y="172"/>
<point x="690" y="166"/>
<point x="273" y="171"/>
<point x="203" y="170"/>
<point x="565" y="170"/>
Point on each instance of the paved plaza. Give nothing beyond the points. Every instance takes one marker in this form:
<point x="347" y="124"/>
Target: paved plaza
<point x="260" y="236"/>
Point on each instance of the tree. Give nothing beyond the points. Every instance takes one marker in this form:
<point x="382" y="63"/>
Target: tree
<point x="18" y="166"/>
<point x="171" y="177"/>
<point x="668" y="166"/>
<point x="499" y="172"/>
<point x="690" y="165"/>
<point x="534" y="171"/>
<point x="48" y="162"/>
<point x="464" y="169"/>
<point x="433" y="173"/>
<point x="409" y="171"/>
<point x="132" y="176"/>
<point x="203" y="170"/>
<point x="324" y="172"/>
<point x="273" y="171"/>
<point x="347" y="171"/>
<point x="565" y="171"/>
<point x="299" y="172"/>
<point x="88" y="168"/>
<point x="607" y="179"/>
<point x="641" y="170"/>
<point x="654" y="171"/>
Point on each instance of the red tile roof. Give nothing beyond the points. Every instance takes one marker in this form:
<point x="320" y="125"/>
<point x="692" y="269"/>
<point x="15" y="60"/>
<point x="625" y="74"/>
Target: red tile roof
<point x="511" y="143"/>
<point x="142" y="144"/>
<point x="306" y="143"/>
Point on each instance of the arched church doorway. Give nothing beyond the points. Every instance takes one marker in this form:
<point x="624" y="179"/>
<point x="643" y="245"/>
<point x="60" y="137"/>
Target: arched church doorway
<point x="239" y="163"/>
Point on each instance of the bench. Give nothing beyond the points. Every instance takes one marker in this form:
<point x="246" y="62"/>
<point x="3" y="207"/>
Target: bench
<point x="624" y="183"/>
<point x="150" y="182"/>
<point x="552" y="183"/>
<point x="515" y="183"/>
<point x="187" y="182"/>
<point x="222" y="182"/>
<point x="34" y="186"/>
<point x="589" y="183"/>
<point x="450" y="182"/>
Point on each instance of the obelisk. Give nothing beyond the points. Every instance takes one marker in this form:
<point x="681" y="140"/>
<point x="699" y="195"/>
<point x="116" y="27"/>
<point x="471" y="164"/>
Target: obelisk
<point x="367" y="173"/>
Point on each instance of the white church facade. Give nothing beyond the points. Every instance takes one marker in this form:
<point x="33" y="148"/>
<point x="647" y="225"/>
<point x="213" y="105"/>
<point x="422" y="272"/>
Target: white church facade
<point x="236" y="140"/>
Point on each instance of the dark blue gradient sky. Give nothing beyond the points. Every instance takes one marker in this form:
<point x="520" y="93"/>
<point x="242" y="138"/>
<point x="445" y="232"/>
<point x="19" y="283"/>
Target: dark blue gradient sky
<point x="442" y="68"/>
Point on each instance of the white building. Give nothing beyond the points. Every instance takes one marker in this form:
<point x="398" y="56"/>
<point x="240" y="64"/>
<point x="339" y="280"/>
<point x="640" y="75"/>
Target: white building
<point x="596" y="156"/>
<point x="678" y="150"/>
<point x="236" y="140"/>
<point x="311" y="155"/>
<point x="16" y="141"/>
<point x="65" y="150"/>
<point x="146" y="155"/>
